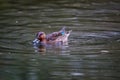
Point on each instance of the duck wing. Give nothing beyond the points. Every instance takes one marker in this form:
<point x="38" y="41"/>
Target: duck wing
<point x="55" y="35"/>
<point x="63" y="38"/>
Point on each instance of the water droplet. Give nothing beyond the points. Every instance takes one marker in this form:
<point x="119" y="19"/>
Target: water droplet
<point x="49" y="26"/>
<point x="16" y="21"/>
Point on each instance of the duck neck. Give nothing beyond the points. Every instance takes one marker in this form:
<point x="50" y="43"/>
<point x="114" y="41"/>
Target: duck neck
<point x="43" y="40"/>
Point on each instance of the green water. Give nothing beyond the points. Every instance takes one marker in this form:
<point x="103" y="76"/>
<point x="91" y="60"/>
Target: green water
<point x="93" y="50"/>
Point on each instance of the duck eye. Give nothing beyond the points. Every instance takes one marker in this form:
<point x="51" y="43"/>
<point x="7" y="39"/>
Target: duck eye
<point x="38" y="35"/>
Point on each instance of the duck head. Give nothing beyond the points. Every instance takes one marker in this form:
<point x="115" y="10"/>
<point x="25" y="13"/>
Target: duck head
<point x="41" y="36"/>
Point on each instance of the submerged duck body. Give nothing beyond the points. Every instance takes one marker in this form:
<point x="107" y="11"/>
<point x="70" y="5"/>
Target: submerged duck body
<point x="53" y="38"/>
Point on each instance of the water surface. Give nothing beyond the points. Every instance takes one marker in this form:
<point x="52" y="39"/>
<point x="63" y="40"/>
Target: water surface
<point x="93" y="50"/>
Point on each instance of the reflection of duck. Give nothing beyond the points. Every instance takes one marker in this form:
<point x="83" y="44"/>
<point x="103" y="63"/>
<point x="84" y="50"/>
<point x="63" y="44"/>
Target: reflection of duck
<point x="55" y="37"/>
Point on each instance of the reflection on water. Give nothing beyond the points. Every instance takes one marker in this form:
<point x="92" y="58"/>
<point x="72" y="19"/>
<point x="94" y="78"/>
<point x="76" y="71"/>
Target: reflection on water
<point x="93" y="48"/>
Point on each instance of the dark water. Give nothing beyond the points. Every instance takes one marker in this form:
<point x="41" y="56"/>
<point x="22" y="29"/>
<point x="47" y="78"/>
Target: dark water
<point x="93" y="50"/>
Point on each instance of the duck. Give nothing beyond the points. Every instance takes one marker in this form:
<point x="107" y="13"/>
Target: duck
<point x="43" y="39"/>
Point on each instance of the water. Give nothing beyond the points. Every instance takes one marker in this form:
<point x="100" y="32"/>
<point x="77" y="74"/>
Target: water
<point x="93" y="48"/>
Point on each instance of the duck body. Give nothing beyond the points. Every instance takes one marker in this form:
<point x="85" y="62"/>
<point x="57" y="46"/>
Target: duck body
<point x="59" y="37"/>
